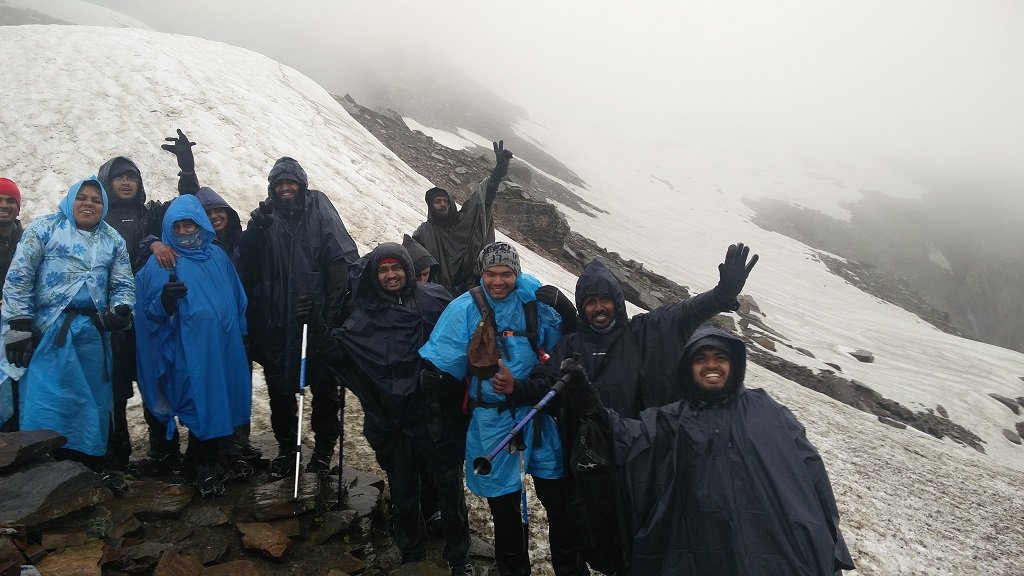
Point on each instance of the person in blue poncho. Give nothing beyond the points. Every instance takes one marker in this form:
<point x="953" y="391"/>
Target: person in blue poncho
<point x="69" y="285"/>
<point x="494" y="412"/>
<point x="190" y="328"/>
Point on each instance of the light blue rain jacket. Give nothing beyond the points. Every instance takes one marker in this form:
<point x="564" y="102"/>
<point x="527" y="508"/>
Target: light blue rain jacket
<point x="446" y="349"/>
<point x="192" y="364"/>
<point x="57" y="268"/>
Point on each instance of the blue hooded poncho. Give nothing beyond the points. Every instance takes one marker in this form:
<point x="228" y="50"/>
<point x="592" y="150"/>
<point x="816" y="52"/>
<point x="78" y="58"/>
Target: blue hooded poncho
<point x="446" y="349"/>
<point x="58" y="269"/>
<point x="192" y="364"/>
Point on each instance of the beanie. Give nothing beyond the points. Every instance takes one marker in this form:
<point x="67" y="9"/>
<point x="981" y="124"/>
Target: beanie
<point x="499" y="254"/>
<point x="9" y="188"/>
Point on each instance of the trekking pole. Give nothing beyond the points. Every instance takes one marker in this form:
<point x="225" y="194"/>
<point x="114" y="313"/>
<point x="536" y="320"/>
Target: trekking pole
<point x="341" y="443"/>
<point x="302" y="396"/>
<point x="482" y="464"/>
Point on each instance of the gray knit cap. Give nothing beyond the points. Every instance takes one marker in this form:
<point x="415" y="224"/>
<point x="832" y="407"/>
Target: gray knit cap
<point x="499" y="254"/>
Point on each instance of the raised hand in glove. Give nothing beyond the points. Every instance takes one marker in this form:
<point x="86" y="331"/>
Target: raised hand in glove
<point x="263" y="215"/>
<point x="732" y="274"/>
<point x="581" y="394"/>
<point x="21" y="341"/>
<point x="117" y="318"/>
<point x="182" y="150"/>
<point x="501" y="159"/>
<point x="170" y="293"/>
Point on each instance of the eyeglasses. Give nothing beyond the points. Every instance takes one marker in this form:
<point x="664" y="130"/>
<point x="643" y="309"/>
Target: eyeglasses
<point x="125" y="178"/>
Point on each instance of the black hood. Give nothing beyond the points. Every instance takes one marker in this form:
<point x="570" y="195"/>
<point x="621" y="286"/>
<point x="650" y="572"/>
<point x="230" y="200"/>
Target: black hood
<point x="420" y="257"/>
<point x="367" y="287"/>
<point x="709" y="334"/>
<point x="115" y="167"/>
<point x="598" y="280"/>
<point x="433" y="217"/>
<point x="287" y="168"/>
<point x="209" y="198"/>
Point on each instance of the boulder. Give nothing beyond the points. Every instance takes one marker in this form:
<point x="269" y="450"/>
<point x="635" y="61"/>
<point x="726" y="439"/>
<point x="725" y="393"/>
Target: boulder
<point x="39" y="492"/>
<point x="76" y="561"/>
<point x="16" y="448"/>
<point x="1012" y="436"/>
<point x="262" y="537"/>
<point x="150" y="499"/>
<point x="1009" y="403"/>
<point x="863" y="356"/>
<point x="174" y="563"/>
<point x="235" y="568"/>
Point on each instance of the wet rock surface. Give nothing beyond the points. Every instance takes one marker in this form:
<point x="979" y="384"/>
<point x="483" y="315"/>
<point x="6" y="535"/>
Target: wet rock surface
<point x="16" y="448"/>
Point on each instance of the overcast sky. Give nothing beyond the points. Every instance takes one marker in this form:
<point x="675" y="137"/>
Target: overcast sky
<point x="934" y="86"/>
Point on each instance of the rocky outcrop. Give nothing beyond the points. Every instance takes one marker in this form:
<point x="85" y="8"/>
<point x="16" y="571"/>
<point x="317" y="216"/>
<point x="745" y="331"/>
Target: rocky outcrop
<point x="1008" y="402"/>
<point x="38" y="492"/>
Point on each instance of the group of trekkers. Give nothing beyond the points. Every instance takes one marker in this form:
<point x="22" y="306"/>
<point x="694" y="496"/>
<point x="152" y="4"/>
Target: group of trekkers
<point x="654" y="458"/>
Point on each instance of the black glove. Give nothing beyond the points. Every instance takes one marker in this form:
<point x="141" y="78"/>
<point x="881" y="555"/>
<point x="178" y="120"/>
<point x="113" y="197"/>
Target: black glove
<point x="170" y="294"/>
<point x="263" y="215"/>
<point x="582" y="394"/>
<point x="182" y="149"/>
<point x="732" y="274"/>
<point x="21" y="341"/>
<point x="501" y="160"/>
<point x="303" y="308"/>
<point x="117" y="318"/>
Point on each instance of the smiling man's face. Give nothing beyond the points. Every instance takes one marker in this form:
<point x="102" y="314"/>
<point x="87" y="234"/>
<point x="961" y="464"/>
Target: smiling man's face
<point x="710" y="368"/>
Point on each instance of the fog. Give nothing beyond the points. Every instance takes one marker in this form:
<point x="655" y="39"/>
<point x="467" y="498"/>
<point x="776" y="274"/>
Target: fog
<point x="932" y="88"/>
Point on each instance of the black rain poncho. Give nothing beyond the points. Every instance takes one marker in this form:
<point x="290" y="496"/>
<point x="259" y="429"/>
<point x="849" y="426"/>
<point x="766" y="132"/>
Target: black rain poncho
<point x="382" y="337"/>
<point x="726" y="487"/>
<point x="456" y="238"/>
<point x="304" y="251"/>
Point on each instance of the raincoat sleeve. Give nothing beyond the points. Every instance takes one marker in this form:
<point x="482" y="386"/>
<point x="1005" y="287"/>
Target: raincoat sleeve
<point x="122" y="282"/>
<point x="822" y="486"/>
<point x="148" y="291"/>
<point x="446" y="348"/>
<point x="21" y="277"/>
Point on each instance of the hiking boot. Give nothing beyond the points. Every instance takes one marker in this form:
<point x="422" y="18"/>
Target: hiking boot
<point x="170" y="462"/>
<point x="320" y="465"/>
<point x="115" y="483"/>
<point x="209" y="480"/>
<point x="435" y="526"/>
<point x="238" y="469"/>
<point x="283" y="465"/>
<point x="248" y="452"/>
<point x="461" y="568"/>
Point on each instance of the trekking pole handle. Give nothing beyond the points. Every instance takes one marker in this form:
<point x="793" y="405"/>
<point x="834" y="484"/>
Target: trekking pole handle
<point x="482" y="464"/>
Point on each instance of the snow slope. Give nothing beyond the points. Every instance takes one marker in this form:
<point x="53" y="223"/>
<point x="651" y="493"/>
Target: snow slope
<point x="75" y="96"/>
<point x="77" y="12"/>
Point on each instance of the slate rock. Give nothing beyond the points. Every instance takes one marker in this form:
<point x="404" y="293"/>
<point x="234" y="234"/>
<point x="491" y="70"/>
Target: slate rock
<point x="38" y="492"/>
<point x="208" y="545"/>
<point x="1012" y="436"/>
<point x="1020" y="429"/>
<point x="9" y="552"/>
<point x="174" y="563"/>
<point x="863" y="356"/>
<point x="274" y="500"/>
<point x="206" y="516"/>
<point x="141" y="557"/>
<point x="77" y="561"/>
<point x="763" y="341"/>
<point x="804" y="351"/>
<point x="1009" y="403"/>
<point x="834" y="365"/>
<point x="942" y="411"/>
<point x="235" y="568"/>
<point x="152" y="499"/>
<point x="290" y="527"/>
<point x="890" y="422"/>
<point x="16" y="448"/>
<point x="1020" y="400"/>
<point x="63" y="538"/>
<point x="262" y="537"/>
<point x="319" y="529"/>
<point x="348" y="564"/>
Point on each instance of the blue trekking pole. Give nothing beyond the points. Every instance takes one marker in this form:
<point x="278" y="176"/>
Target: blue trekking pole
<point x="302" y="396"/>
<point x="482" y="464"/>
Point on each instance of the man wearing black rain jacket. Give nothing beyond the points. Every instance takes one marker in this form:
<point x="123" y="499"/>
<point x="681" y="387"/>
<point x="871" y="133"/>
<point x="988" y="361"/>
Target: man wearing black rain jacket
<point x="722" y="482"/>
<point x="455" y="237"/>
<point x="410" y="425"/>
<point x="295" y="254"/>
<point x="633" y="363"/>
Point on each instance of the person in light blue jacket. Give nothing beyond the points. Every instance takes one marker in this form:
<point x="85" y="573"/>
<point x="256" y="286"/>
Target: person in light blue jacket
<point x="190" y="325"/>
<point x="493" y="411"/>
<point x="69" y="285"/>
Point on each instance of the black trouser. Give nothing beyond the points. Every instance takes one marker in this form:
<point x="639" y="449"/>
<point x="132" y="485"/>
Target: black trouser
<point x="510" y="537"/>
<point x="284" y="419"/>
<point x="200" y="452"/>
<point x="402" y="461"/>
<point x="12" y="423"/>
<point x="122" y="374"/>
<point x="158" y="442"/>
